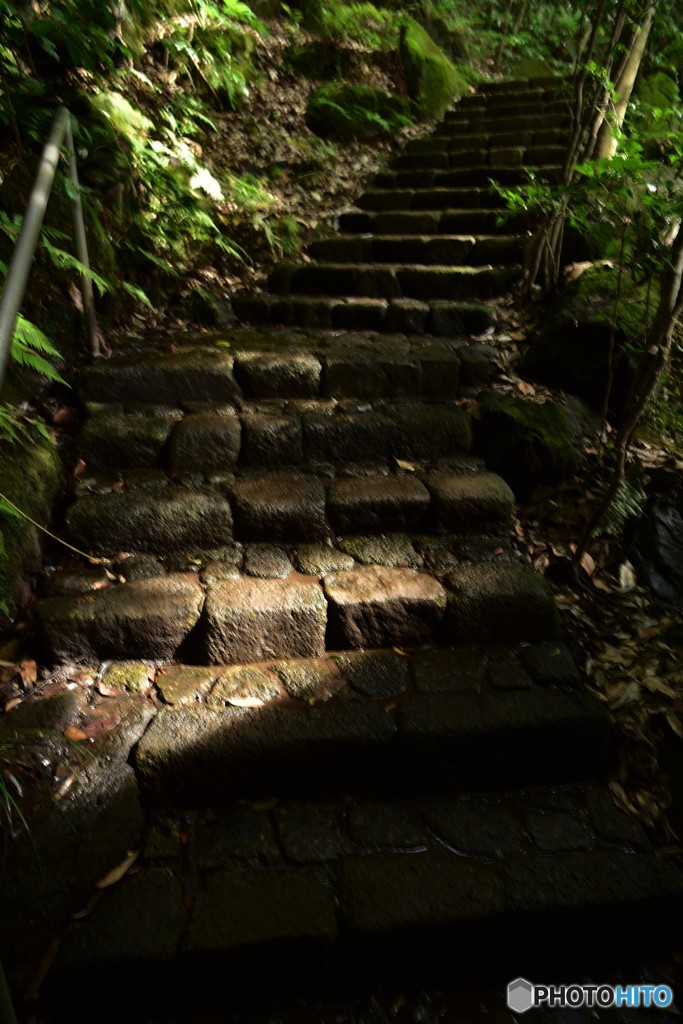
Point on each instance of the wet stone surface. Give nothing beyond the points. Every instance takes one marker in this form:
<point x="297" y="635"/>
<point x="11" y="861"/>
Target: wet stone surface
<point x="376" y="675"/>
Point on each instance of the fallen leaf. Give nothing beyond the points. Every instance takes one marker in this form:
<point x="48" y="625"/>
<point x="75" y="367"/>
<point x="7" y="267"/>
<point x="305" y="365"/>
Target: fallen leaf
<point x="80" y="467"/>
<point x="410" y="467"/>
<point x="588" y="563"/>
<point x="117" y="873"/>
<point x="247" y="702"/>
<point x="525" y="388"/>
<point x="74" y="734"/>
<point x="102" y="723"/>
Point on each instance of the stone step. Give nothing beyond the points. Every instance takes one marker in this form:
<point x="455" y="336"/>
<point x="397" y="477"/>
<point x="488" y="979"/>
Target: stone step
<point x="425" y="173"/>
<point x="429" y="721"/>
<point x="439" y="146"/>
<point x="495" y="122"/>
<point x="506" y="100"/>
<point x="458" y="140"/>
<point x="290" y="507"/>
<point x="222" y="615"/>
<point x="373" y="896"/>
<point x="387" y="281"/>
<point x="465" y="113"/>
<point x="252" y="365"/>
<point x="428" y="250"/>
<point x="447" y="173"/>
<point x="441" y="318"/>
<point x="523" y="85"/>
<point x="432" y="222"/>
<point x="425" y="195"/>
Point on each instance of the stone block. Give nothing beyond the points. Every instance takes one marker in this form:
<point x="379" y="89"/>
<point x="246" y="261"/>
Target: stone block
<point x="380" y="607"/>
<point x="252" y="620"/>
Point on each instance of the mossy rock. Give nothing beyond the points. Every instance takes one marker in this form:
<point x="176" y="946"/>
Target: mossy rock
<point x="572" y="350"/>
<point x="350" y="112"/>
<point x="30" y="477"/>
<point x="321" y="60"/>
<point x="526" y="442"/>
<point x="531" y="67"/>
<point x="433" y="81"/>
<point x="658" y="90"/>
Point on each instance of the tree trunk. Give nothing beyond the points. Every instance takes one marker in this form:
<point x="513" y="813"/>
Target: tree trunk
<point x="606" y="145"/>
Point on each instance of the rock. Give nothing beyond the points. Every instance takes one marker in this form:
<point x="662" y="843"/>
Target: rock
<point x="289" y="375"/>
<point x="184" y="684"/>
<point x="572" y="350"/>
<point x="131" y="676"/>
<point x="376" y="827"/>
<point x="383" y="893"/>
<point x="433" y="82"/>
<point x="257" y="908"/>
<point x="124" y="442"/>
<point x="550" y="664"/>
<point x="319" y="559"/>
<point x="558" y="833"/>
<point x="526" y="442"/>
<point x="137" y="927"/>
<point x="245" y="836"/>
<point x="139" y="567"/>
<point x="309" y="833"/>
<point x="655" y="546"/>
<point x="350" y="112"/>
<point x="385" y="503"/>
<point x="393" y="550"/>
<point x="251" y="620"/>
<point x="205" y="443"/>
<point x="272" y="441"/>
<point x="149" y="618"/>
<point x="475" y="829"/>
<point x="503" y="601"/>
<point x="380" y="607"/>
<point x="198" y="374"/>
<point x="478" y="501"/>
<point x="245" y="687"/>
<point x="279" y="506"/>
<point x="138" y="521"/>
<point x="310" y="679"/>
<point x="266" y="562"/>
<point x="449" y="671"/>
<point x="77" y="581"/>
<point x="376" y="675"/>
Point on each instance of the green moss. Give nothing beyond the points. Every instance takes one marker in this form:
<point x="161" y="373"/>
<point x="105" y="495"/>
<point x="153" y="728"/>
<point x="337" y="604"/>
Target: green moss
<point x="433" y="81"/>
<point x="349" y="112"/>
<point x="525" y="442"/>
<point x="572" y="350"/>
<point x="531" y="67"/>
<point x="30" y="478"/>
<point x="126" y="119"/>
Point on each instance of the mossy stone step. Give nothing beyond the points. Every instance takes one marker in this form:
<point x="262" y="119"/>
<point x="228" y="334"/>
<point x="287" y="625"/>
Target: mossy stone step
<point x="449" y="221"/>
<point x="387" y="281"/>
<point x="492" y="99"/>
<point x="494" y="122"/>
<point x="495" y="155"/>
<point x="513" y="108"/>
<point x="429" y="250"/>
<point x="235" y="618"/>
<point x="127" y="428"/>
<point x="505" y="166"/>
<point x="495" y="140"/>
<point x="426" y="173"/>
<point x="523" y="84"/>
<point x="380" y="891"/>
<point x="441" y="318"/>
<point x="426" y="195"/>
<point x="302" y="432"/>
<point x="419" y="744"/>
<point x="290" y="507"/>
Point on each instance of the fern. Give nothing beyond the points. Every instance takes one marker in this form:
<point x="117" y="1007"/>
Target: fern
<point x="64" y="260"/>
<point x="30" y="347"/>
<point x="628" y="503"/>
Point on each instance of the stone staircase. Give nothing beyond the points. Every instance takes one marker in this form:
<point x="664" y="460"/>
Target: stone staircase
<point x="369" y="756"/>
